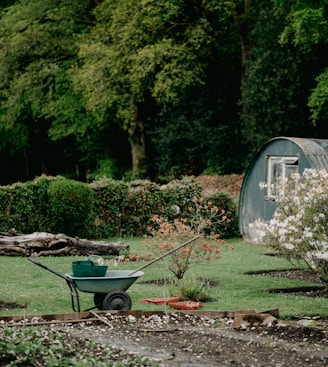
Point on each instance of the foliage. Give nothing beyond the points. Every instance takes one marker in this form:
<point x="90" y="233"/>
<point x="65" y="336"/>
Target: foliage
<point x="318" y="99"/>
<point x="106" y="169"/>
<point x="104" y="208"/>
<point x="279" y="79"/>
<point x="175" y="154"/>
<point x="50" y="346"/>
<point x="191" y="86"/>
<point x="135" y="54"/>
<point x="110" y="201"/>
<point x="145" y="199"/>
<point x="306" y="27"/>
<point x="24" y="207"/>
<point x="306" y="24"/>
<point x="191" y="288"/>
<point x="164" y="236"/>
<point x="124" y="209"/>
<point x="38" y="104"/>
<point x="37" y="46"/>
<point x="179" y="195"/>
<point x="298" y="229"/>
<point x="144" y="58"/>
<point x="70" y="206"/>
<point x="224" y="201"/>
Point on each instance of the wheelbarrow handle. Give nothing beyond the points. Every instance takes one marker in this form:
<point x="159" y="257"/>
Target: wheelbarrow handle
<point x="166" y="254"/>
<point x="70" y="282"/>
<point x="47" y="268"/>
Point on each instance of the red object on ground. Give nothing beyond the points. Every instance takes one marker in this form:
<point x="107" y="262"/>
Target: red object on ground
<point x="160" y="301"/>
<point x="188" y="305"/>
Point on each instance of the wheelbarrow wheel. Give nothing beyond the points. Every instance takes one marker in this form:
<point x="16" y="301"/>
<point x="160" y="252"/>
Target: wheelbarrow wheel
<point x="117" y="300"/>
<point x="98" y="299"/>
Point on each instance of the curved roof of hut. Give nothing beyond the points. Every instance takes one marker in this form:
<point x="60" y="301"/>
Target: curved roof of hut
<point x="316" y="150"/>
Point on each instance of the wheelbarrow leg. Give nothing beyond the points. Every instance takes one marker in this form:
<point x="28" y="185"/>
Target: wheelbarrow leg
<point x="74" y="295"/>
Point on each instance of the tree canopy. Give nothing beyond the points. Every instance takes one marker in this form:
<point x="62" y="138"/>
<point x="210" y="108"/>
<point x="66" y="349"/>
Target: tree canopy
<point x="156" y="89"/>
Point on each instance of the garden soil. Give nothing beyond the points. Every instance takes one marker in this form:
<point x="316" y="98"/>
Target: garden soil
<point x="184" y="340"/>
<point x="188" y="340"/>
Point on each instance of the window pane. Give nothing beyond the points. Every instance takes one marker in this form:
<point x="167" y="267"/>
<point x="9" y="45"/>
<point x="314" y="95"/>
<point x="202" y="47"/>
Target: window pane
<point x="278" y="166"/>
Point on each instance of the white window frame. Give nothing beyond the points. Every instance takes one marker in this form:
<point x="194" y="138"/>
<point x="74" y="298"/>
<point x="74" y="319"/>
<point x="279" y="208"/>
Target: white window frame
<point x="279" y="166"/>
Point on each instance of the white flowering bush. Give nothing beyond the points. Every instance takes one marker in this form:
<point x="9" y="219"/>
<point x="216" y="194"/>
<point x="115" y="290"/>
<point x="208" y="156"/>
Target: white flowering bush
<point x="299" y="227"/>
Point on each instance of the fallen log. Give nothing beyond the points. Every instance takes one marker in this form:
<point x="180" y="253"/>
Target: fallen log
<point x="48" y="244"/>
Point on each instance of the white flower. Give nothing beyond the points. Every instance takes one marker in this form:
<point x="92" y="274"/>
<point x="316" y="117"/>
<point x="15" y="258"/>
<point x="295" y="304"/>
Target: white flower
<point x="289" y="246"/>
<point x="263" y="185"/>
<point x="299" y="223"/>
<point x="321" y="255"/>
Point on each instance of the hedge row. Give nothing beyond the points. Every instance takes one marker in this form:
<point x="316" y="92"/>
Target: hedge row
<point x="104" y="208"/>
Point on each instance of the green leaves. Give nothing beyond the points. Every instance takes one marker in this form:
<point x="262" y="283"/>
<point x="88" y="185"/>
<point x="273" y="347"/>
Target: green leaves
<point x="37" y="47"/>
<point x="139" y="49"/>
<point x="307" y="28"/>
<point x="48" y="346"/>
<point x="318" y="101"/>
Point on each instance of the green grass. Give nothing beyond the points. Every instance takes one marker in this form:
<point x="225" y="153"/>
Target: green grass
<point x="45" y="293"/>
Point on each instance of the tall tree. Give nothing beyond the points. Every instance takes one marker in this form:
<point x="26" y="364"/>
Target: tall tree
<point x="199" y="132"/>
<point x="37" y="46"/>
<point x="143" y="53"/>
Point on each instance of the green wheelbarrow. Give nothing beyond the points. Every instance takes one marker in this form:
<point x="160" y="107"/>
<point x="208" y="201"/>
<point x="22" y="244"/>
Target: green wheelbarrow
<point x="109" y="291"/>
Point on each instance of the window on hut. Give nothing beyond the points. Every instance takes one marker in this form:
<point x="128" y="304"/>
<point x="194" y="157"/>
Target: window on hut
<point x="279" y="166"/>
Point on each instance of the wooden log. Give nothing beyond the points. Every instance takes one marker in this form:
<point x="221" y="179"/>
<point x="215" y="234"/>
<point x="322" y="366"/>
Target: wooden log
<point x="46" y="244"/>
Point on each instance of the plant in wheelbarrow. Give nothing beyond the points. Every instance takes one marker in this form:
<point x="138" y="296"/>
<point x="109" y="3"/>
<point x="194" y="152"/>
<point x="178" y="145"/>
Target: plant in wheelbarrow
<point x="200" y="228"/>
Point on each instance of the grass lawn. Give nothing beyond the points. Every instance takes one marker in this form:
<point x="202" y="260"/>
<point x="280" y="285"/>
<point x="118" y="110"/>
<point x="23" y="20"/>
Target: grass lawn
<point x="45" y="293"/>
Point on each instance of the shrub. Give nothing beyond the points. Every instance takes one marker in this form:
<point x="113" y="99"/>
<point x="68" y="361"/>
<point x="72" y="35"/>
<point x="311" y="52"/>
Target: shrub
<point x="24" y="206"/>
<point x="102" y="209"/>
<point x="145" y="199"/>
<point x="179" y="195"/>
<point x="71" y="204"/>
<point x="164" y="236"/>
<point x="110" y="201"/>
<point x="6" y="220"/>
<point x="123" y="209"/>
<point x="299" y="226"/>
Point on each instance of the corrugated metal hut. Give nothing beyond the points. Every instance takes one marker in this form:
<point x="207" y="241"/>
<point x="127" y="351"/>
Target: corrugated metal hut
<point x="280" y="156"/>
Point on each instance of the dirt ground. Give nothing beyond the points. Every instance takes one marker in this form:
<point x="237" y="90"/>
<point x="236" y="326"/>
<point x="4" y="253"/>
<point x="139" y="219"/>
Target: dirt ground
<point x="180" y="340"/>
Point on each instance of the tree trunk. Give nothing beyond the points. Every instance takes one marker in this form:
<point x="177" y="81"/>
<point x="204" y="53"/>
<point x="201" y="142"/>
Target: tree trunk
<point x="242" y="21"/>
<point x="137" y="141"/>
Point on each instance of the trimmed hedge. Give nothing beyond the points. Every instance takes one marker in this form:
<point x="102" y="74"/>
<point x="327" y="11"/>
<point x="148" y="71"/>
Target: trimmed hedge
<point x="24" y="206"/>
<point x="102" y="209"/>
<point x="110" y="202"/>
<point x="70" y="207"/>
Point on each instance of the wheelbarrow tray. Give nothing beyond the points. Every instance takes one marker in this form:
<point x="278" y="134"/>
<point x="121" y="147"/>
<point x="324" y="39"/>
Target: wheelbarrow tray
<point x="112" y="281"/>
